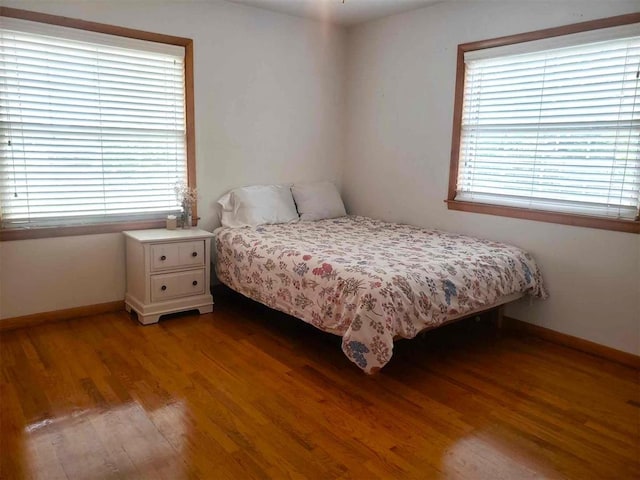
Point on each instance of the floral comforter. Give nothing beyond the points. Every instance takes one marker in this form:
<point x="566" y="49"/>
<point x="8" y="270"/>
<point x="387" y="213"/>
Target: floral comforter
<point x="370" y="281"/>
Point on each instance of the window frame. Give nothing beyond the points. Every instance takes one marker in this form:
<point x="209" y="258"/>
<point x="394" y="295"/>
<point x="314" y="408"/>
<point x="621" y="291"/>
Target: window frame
<point x="8" y="234"/>
<point x="629" y="226"/>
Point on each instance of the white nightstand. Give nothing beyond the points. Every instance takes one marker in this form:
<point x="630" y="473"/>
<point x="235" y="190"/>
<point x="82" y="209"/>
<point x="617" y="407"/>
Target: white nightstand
<point x="167" y="272"/>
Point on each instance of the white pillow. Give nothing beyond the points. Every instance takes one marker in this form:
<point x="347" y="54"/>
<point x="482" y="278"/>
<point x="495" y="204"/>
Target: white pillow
<point x="257" y="205"/>
<point x="316" y="201"/>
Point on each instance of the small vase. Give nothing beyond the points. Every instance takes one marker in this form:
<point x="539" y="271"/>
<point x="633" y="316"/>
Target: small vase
<point x="187" y="219"/>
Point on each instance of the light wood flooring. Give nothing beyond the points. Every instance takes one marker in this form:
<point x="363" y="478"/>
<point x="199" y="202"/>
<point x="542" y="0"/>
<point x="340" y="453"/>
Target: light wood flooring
<point x="247" y="392"/>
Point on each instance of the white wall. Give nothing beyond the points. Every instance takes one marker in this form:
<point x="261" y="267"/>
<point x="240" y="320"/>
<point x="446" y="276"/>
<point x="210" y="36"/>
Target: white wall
<point x="269" y="103"/>
<point x="400" y="87"/>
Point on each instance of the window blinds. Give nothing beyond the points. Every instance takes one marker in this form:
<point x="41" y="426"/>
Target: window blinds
<point x="554" y="130"/>
<point x="92" y="125"/>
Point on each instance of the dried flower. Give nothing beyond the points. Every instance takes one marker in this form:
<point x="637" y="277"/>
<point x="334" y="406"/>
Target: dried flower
<point x="187" y="196"/>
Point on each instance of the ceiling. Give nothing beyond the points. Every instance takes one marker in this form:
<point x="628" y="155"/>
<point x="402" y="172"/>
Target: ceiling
<point x="348" y="13"/>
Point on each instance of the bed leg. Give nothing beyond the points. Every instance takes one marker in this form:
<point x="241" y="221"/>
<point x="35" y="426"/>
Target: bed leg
<point x="499" y="316"/>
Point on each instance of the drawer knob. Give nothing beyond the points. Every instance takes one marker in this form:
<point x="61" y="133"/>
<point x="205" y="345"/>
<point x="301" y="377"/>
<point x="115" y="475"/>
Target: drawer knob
<point x="163" y="258"/>
<point x="194" y="254"/>
<point x="163" y="287"/>
<point x="195" y="282"/>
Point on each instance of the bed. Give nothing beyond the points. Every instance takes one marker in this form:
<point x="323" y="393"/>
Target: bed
<point x="370" y="281"/>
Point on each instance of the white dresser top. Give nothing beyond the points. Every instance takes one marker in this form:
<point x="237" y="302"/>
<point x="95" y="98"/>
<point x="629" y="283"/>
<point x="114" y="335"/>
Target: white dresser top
<point x="164" y="235"/>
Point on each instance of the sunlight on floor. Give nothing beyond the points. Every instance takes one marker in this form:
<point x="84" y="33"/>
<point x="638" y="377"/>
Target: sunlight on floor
<point x="482" y="456"/>
<point x="124" y="441"/>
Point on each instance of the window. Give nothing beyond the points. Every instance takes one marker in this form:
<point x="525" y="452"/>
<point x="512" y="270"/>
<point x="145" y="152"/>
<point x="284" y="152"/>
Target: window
<point x="94" y="125"/>
<point x="548" y="126"/>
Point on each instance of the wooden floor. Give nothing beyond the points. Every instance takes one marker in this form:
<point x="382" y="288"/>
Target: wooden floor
<point x="246" y="392"/>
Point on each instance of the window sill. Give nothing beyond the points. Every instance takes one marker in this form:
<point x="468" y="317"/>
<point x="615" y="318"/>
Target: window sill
<point x="628" y="226"/>
<point x="10" y="234"/>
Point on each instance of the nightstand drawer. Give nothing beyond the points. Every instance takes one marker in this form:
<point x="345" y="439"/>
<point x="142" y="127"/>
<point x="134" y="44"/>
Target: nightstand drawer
<point x="165" y="256"/>
<point x="180" y="284"/>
